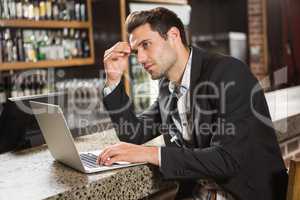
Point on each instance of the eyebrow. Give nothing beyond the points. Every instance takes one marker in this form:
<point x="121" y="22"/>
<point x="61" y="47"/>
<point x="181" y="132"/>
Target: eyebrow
<point x="135" y="50"/>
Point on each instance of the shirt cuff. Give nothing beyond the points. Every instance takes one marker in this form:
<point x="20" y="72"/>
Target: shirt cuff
<point x="109" y="89"/>
<point x="159" y="156"/>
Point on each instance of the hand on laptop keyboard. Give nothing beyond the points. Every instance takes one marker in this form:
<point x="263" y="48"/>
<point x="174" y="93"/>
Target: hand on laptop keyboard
<point x="90" y="160"/>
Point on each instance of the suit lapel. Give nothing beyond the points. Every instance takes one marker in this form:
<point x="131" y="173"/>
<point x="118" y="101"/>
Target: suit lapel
<point x="196" y="77"/>
<point x="196" y="68"/>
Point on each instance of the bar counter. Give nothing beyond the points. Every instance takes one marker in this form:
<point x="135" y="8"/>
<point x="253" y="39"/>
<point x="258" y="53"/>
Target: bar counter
<point x="34" y="174"/>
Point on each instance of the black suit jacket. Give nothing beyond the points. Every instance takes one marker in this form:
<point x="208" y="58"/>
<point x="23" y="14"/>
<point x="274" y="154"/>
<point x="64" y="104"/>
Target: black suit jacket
<point x="230" y="144"/>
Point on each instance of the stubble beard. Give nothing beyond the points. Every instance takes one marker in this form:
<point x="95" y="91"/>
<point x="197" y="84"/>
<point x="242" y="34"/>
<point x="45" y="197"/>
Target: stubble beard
<point x="157" y="76"/>
<point x="164" y="67"/>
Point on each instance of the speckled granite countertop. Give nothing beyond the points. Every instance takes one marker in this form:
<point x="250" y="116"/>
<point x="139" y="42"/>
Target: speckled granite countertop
<point x="34" y="174"/>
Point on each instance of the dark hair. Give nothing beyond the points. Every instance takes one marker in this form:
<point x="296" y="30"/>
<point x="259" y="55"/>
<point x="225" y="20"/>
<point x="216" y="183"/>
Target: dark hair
<point x="160" y="19"/>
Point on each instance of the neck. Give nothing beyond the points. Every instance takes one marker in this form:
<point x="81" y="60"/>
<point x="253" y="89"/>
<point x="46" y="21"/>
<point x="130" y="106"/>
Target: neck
<point x="176" y="72"/>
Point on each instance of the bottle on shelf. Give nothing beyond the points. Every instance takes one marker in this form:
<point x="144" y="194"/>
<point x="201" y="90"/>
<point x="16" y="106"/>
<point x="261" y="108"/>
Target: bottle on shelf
<point x="56" y="51"/>
<point x="37" y="41"/>
<point x="23" y="86"/>
<point x="25" y="7"/>
<point x="31" y="85"/>
<point x="35" y="86"/>
<point x="31" y="10"/>
<point x="15" y="49"/>
<point x="1" y="9"/>
<point x="38" y="84"/>
<point x="77" y="10"/>
<point x="12" y="9"/>
<point x="2" y="93"/>
<point x="72" y="43"/>
<point x="66" y="13"/>
<point x="82" y="11"/>
<point x="65" y="43"/>
<point x="6" y="83"/>
<point x="41" y="46"/>
<point x="8" y="46"/>
<point x="36" y="10"/>
<point x="1" y="48"/>
<point x="26" y="86"/>
<point x="33" y="41"/>
<point x="70" y="4"/>
<point x="85" y="44"/>
<point x="29" y="46"/>
<point x="5" y="10"/>
<point x="62" y="10"/>
<point x="49" y="9"/>
<point x="78" y="44"/>
<point x="20" y="47"/>
<point x="19" y="9"/>
<point x="44" y="83"/>
<point x="32" y="45"/>
<point x="55" y="10"/>
<point x="13" y="85"/>
<point x="19" y="84"/>
<point x="42" y="9"/>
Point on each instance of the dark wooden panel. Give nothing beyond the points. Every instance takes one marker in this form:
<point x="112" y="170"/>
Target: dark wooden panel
<point x="218" y="16"/>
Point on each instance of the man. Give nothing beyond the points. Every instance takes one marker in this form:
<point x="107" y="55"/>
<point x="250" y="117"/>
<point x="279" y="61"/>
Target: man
<point x="205" y="111"/>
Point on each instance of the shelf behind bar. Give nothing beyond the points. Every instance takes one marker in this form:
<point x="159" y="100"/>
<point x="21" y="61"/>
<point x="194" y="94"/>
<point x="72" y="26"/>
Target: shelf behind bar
<point x="49" y="24"/>
<point x="162" y="1"/>
<point x="47" y="64"/>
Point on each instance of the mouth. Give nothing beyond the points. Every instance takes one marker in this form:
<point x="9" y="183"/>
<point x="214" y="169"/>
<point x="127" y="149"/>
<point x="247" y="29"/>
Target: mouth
<point x="147" y="66"/>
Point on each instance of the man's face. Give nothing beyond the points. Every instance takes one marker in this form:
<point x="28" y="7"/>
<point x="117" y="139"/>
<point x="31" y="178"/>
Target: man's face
<point x="155" y="53"/>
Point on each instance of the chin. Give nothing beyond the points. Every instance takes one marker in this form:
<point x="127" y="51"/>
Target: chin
<point x="156" y="76"/>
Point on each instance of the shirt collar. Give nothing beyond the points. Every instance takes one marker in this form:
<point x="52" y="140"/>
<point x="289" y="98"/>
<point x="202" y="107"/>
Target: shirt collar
<point x="185" y="81"/>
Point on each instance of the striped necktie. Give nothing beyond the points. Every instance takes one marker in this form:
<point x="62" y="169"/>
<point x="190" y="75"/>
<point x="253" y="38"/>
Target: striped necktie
<point x="176" y="135"/>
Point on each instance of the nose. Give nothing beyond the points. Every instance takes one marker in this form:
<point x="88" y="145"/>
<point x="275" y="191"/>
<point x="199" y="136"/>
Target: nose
<point x="141" y="57"/>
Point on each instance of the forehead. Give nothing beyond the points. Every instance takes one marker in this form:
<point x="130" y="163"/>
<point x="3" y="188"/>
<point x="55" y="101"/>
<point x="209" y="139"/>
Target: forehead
<point x="142" y="33"/>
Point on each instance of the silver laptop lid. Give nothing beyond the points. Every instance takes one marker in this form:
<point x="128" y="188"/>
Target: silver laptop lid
<point x="57" y="134"/>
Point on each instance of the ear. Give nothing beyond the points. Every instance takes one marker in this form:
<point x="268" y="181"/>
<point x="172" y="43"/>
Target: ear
<point x="173" y="34"/>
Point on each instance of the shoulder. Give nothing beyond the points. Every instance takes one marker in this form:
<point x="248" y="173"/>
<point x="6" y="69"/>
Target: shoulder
<point x="219" y="66"/>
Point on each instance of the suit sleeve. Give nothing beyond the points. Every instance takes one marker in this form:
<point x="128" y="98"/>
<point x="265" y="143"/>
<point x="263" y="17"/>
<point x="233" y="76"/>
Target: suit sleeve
<point x="130" y="127"/>
<point x="229" y="146"/>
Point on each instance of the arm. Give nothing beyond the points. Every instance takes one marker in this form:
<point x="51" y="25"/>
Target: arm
<point x="131" y="128"/>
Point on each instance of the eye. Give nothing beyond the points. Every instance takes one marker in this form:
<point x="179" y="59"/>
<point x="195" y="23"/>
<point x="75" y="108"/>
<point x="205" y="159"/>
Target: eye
<point x="146" y="45"/>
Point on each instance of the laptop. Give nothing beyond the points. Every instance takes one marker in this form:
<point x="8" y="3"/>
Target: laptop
<point x="61" y="144"/>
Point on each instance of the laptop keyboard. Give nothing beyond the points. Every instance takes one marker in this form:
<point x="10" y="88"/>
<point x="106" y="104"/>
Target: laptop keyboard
<point x="89" y="160"/>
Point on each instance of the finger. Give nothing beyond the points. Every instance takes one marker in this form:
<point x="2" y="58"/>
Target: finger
<point x="104" y="156"/>
<point x="108" y="155"/>
<point x="111" y="151"/>
<point x="99" y="156"/>
<point x="102" y="153"/>
<point x="107" y="149"/>
<point x="113" y="160"/>
<point x="116" y="49"/>
<point x="115" y="55"/>
<point x="106" y="55"/>
<point x="120" y="47"/>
